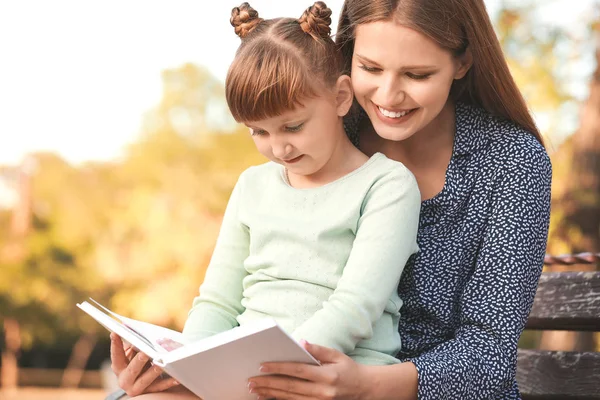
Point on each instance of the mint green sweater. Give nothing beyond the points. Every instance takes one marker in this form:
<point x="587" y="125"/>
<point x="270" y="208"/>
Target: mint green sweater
<point x="323" y="262"/>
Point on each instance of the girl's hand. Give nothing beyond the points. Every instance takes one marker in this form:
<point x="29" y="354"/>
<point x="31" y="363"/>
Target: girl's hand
<point x="136" y="375"/>
<point x="339" y="377"/>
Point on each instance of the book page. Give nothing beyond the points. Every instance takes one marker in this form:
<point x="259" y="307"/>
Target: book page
<point x="136" y="339"/>
<point x="153" y="333"/>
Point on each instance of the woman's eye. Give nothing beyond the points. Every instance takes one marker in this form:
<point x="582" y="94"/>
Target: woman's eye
<point x="418" y="77"/>
<point x="368" y="69"/>
<point x="295" y="128"/>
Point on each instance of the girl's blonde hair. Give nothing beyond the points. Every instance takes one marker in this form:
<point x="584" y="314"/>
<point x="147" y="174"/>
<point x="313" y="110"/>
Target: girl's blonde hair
<point x="281" y="62"/>
<point x="455" y="25"/>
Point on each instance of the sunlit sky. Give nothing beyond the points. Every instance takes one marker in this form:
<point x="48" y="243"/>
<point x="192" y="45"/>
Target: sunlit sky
<point x="76" y="76"/>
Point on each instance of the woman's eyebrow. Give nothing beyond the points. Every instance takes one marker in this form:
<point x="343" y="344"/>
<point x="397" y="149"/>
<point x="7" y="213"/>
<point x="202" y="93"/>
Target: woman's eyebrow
<point x="423" y="66"/>
<point x="363" y="58"/>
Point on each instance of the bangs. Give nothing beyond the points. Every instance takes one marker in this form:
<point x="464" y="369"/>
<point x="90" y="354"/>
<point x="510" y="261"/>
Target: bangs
<point x="267" y="80"/>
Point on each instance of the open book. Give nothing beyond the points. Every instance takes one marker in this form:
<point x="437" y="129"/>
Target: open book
<point x="215" y="368"/>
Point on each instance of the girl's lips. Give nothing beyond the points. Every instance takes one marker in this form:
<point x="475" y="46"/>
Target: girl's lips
<point x="293" y="160"/>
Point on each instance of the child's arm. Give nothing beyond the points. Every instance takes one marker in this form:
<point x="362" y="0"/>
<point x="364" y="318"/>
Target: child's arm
<point x="219" y="303"/>
<point x="385" y="239"/>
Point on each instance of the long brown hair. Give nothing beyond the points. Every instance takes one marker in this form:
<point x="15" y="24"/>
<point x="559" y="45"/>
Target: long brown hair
<point x="455" y="25"/>
<point x="280" y="62"/>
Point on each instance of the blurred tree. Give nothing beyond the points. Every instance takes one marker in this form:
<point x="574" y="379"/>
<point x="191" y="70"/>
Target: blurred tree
<point x="542" y="57"/>
<point x="578" y="197"/>
<point x="132" y="233"/>
<point x="174" y="184"/>
<point x="576" y="204"/>
<point x="46" y="249"/>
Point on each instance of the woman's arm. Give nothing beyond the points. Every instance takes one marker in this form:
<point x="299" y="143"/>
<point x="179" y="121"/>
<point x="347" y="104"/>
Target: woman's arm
<point x="480" y="361"/>
<point x="385" y="239"/>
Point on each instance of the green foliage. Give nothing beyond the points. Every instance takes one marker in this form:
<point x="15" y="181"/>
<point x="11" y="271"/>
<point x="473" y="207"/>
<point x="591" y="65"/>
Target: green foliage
<point x="135" y="234"/>
<point x="550" y="63"/>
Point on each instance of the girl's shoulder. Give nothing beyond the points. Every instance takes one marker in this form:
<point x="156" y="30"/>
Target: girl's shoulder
<point x="261" y="174"/>
<point x="385" y="166"/>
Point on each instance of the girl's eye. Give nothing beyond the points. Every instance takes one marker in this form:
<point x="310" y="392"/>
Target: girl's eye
<point x="418" y="77"/>
<point x="257" y="132"/>
<point x="368" y="69"/>
<point x="294" y="128"/>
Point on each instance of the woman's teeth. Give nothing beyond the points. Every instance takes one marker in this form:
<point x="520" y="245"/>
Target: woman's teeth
<point x="391" y="114"/>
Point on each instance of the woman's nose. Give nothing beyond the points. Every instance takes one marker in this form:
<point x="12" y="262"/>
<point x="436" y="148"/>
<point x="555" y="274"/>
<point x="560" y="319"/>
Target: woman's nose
<point x="391" y="92"/>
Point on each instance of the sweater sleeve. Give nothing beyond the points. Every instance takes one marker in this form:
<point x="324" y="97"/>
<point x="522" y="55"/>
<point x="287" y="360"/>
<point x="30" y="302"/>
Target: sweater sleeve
<point x="385" y="239"/>
<point x="219" y="303"/>
<point x="480" y="361"/>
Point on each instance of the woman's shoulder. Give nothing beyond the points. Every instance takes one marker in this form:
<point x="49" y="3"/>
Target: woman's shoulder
<point x="501" y="144"/>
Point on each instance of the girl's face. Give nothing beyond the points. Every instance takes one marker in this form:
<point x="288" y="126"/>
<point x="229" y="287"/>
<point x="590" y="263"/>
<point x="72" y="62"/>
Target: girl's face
<point x="401" y="77"/>
<point x="305" y="139"/>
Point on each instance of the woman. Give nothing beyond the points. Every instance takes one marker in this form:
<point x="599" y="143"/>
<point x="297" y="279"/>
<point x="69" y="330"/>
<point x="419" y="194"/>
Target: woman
<point x="435" y="93"/>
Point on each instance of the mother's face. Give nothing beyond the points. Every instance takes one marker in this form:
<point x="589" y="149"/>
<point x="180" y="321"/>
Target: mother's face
<point x="401" y="77"/>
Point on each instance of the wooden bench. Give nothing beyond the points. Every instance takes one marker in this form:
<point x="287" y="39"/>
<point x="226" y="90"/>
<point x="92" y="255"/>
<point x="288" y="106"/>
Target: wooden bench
<point x="564" y="301"/>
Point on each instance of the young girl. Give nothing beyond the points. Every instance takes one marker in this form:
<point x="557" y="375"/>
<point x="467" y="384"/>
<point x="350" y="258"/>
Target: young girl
<point x="314" y="238"/>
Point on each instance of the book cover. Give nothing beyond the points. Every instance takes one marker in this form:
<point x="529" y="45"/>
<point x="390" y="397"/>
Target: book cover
<point x="214" y="368"/>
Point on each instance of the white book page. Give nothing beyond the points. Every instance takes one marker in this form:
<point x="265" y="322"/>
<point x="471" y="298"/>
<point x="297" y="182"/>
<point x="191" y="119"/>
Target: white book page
<point x="154" y="332"/>
<point x="136" y="339"/>
<point x="150" y="331"/>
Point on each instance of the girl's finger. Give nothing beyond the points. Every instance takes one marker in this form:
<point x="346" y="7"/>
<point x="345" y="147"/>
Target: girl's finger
<point x="118" y="357"/>
<point x="128" y="377"/>
<point x="130" y="353"/>
<point x="146" y="379"/>
<point x="160" y="385"/>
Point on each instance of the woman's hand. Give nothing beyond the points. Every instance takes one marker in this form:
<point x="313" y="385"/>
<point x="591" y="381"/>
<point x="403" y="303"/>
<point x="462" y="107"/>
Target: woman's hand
<point x="136" y="375"/>
<point x="339" y="377"/>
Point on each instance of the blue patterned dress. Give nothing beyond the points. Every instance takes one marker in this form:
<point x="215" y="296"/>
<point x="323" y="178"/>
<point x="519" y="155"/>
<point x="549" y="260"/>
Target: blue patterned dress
<point x="482" y="239"/>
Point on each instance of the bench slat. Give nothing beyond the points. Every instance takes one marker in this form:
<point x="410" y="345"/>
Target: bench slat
<point x="558" y="375"/>
<point x="567" y="301"/>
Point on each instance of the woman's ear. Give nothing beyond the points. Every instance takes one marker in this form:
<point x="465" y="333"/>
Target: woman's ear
<point x="344" y="95"/>
<point x="464" y="63"/>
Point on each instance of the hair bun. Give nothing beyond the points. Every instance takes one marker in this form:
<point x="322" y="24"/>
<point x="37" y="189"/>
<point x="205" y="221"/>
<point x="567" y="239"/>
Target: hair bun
<point x="244" y="19"/>
<point x="316" y="20"/>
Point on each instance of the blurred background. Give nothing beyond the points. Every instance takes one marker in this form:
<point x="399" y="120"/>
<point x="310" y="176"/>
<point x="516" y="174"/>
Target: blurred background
<point x="118" y="154"/>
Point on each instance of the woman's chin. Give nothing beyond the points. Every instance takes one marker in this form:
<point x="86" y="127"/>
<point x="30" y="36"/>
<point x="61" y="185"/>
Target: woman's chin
<point x="395" y="134"/>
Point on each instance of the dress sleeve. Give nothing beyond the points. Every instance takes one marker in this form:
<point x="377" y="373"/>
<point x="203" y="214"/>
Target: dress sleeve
<point x="385" y="239"/>
<point x="216" y="309"/>
<point x="480" y="361"/>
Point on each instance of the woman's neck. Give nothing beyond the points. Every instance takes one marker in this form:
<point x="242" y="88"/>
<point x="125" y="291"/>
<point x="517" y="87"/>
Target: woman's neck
<point x="426" y="153"/>
<point x="430" y="146"/>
